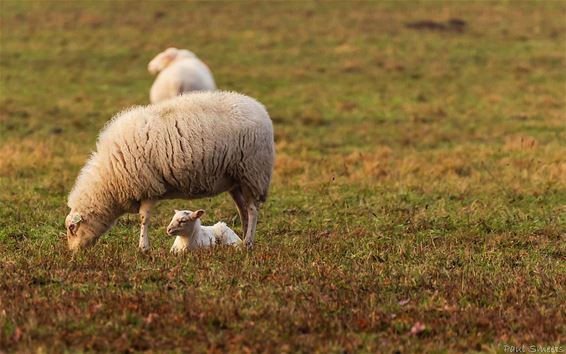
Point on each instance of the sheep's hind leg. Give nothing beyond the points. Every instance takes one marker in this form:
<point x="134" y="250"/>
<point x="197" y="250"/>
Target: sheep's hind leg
<point x="145" y="208"/>
<point x="240" y="201"/>
<point x="253" y="212"/>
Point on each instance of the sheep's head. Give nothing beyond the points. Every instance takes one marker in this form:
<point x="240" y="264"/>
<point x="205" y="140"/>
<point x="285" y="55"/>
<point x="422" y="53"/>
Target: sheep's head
<point x="162" y="59"/>
<point x="184" y="53"/>
<point x="183" y="222"/>
<point x="83" y="231"/>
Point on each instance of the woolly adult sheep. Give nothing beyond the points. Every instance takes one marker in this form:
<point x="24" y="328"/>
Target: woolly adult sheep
<point x="179" y="71"/>
<point x="194" y="146"/>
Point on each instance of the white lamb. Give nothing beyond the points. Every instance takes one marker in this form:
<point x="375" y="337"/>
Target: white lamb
<point x="186" y="225"/>
<point x="179" y="71"/>
<point x="194" y="146"/>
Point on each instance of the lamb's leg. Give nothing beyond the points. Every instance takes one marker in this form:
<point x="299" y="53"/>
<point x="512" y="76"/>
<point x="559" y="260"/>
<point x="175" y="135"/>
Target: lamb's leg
<point x="145" y="208"/>
<point x="240" y="201"/>
<point x="252" y="221"/>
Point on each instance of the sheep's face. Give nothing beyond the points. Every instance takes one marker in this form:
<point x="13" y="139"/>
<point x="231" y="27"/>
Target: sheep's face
<point x="161" y="60"/>
<point x="82" y="232"/>
<point x="183" y="222"/>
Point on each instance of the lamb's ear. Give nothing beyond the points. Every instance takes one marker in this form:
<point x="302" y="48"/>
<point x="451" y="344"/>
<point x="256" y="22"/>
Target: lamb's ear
<point x="197" y="214"/>
<point x="170" y="54"/>
<point x="176" y="211"/>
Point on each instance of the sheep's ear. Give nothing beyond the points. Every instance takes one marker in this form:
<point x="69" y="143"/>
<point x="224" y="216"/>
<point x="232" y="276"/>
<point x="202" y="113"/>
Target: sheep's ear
<point x="171" y="53"/>
<point x="76" y="218"/>
<point x="197" y="214"/>
<point x="176" y="211"/>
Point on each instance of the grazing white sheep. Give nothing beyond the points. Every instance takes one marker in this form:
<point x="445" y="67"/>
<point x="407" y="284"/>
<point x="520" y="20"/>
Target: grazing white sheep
<point x="186" y="225"/>
<point x="194" y="146"/>
<point x="179" y="71"/>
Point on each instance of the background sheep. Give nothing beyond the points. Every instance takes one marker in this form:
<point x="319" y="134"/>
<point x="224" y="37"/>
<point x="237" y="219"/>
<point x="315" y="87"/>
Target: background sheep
<point x="179" y="71"/>
<point x="186" y="225"/>
<point x="193" y="146"/>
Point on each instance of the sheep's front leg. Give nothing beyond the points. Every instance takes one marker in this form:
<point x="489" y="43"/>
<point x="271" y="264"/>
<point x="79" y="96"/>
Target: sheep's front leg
<point x="145" y="208"/>
<point x="252" y="221"/>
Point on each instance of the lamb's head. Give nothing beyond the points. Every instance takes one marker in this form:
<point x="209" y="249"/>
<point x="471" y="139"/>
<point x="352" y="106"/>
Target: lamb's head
<point x="183" y="222"/>
<point x="184" y="53"/>
<point x="84" y="230"/>
<point x="162" y="59"/>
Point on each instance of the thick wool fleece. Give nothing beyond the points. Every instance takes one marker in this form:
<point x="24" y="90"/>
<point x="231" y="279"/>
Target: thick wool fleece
<point x="193" y="146"/>
<point x="181" y="72"/>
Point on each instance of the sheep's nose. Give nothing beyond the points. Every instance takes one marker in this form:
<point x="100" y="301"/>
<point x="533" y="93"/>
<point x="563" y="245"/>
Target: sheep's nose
<point x="169" y="230"/>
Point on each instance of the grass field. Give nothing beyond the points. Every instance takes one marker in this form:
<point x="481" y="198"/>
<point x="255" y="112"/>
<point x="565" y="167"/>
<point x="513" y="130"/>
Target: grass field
<point x="418" y="201"/>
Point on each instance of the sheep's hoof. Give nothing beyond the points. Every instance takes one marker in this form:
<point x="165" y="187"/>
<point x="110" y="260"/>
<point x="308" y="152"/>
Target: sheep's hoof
<point x="249" y="244"/>
<point x="144" y="249"/>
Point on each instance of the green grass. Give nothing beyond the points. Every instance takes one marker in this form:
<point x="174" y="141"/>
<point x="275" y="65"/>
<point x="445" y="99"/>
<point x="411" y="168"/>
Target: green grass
<point x="420" y="177"/>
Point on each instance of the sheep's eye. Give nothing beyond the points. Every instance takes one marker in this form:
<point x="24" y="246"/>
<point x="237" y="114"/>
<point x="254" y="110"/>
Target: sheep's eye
<point x="73" y="228"/>
<point x="181" y="222"/>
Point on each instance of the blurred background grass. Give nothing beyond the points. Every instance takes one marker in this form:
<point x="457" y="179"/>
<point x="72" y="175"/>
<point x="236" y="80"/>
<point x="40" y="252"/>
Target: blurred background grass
<point x="420" y="155"/>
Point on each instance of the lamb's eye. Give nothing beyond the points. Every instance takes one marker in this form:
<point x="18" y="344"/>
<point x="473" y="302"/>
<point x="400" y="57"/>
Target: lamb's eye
<point x="181" y="222"/>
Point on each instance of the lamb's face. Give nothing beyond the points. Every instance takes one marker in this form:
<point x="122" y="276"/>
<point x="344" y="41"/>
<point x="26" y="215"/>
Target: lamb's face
<point x="82" y="233"/>
<point x="161" y="60"/>
<point x="183" y="222"/>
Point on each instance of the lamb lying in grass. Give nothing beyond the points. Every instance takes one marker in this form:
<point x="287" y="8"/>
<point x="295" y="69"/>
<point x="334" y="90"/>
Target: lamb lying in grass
<point x="191" y="234"/>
